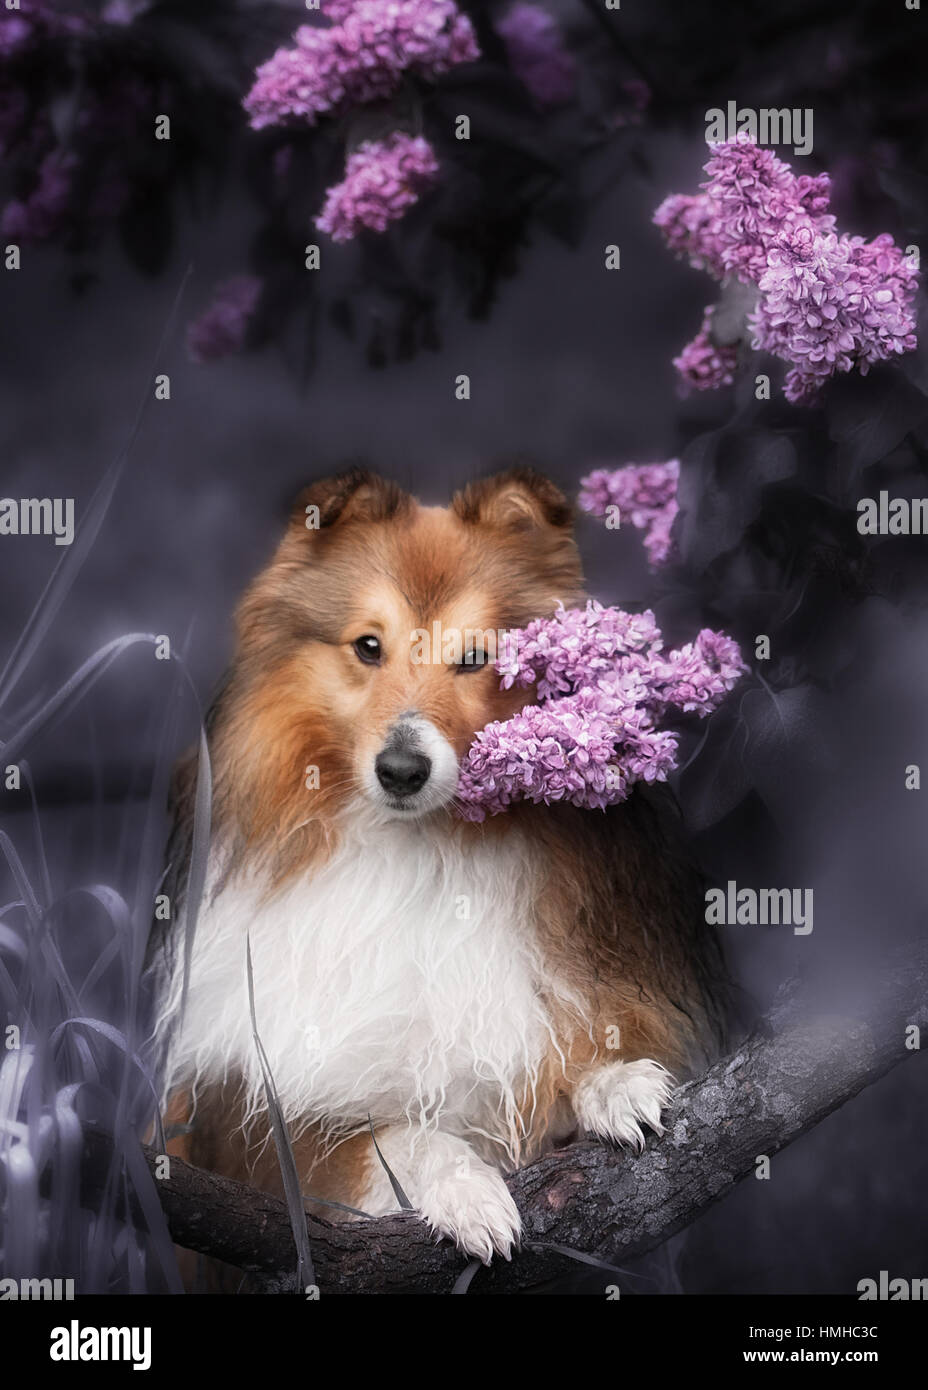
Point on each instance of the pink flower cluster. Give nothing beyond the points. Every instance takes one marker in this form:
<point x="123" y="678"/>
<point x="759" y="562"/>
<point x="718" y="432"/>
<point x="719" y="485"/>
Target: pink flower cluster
<point x="605" y="682"/>
<point x="221" y="329"/>
<point x="362" y="57"/>
<point x="536" y="53"/>
<point x="382" y="179"/>
<point x="828" y="302"/>
<point x="702" y="364"/>
<point x="646" y="495"/>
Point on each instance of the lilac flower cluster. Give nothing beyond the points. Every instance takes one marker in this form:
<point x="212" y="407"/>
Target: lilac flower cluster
<point x="535" y="49"/>
<point x="24" y="129"/>
<point x="831" y="303"/>
<point x="828" y="302"/>
<point x="687" y="222"/>
<point x="221" y="329"/>
<point x="70" y="176"/>
<point x="646" y="495"/>
<point x="702" y="364"/>
<point x="635" y="100"/>
<point x="362" y="57"/>
<point x="382" y="179"/>
<point x="605" y="682"/>
<point x="43" y="213"/>
<point x="85" y="186"/>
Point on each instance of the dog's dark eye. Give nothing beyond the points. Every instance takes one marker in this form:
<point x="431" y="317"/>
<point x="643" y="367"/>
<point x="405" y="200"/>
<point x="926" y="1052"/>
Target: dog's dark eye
<point x="473" y="660"/>
<point x="368" y="649"/>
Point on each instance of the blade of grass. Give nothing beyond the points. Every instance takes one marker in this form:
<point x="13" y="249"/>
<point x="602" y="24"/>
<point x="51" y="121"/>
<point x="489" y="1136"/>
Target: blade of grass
<point x="464" y="1280"/>
<point x="339" y="1206"/>
<point x="398" y="1192"/>
<point x="285" y="1157"/>
<point x="580" y="1256"/>
<point x="76" y="686"/>
<point x="199" y="863"/>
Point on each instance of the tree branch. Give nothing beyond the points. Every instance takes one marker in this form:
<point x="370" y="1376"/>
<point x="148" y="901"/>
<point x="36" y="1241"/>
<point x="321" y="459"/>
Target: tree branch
<point x="787" y="1077"/>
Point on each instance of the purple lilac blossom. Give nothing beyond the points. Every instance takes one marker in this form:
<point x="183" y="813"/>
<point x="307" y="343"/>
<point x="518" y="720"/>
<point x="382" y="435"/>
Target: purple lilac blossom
<point x="697" y="677"/>
<point x="588" y="750"/>
<point x="750" y="198"/>
<point x="74" y="185"/>
<point x="831" y="303"/>
<point x="575" y="648"/>
<point x="16" y="32"/>
<point x="359" y="59"/>
<point x="687" y="223"/>
<point x="22" y="31"/>
<point x="42" y="214"/>
<point x="634" y="101"/>
<point x="535" y="49"/>
<point x="828" y="302"/>
<point x="382" y="179"/>
<point x="32" y="22"/>
<point x="338" y="10"/>
<point x="645" y="493"/>
<point x="702" y="365"/>
<point x="123" y="12"/>
<point x="755" y="199"/>
<point x="222" y="328"/>
<point x="604" y="682"/>
<point x="658" y="538"/>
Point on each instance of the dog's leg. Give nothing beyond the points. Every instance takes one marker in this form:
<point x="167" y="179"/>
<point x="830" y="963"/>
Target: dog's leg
<point x="615" y="1101"/>
<point x="454" y="1190"/>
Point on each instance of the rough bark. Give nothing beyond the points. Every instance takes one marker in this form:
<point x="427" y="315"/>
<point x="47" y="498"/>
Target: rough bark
<point x="794" y="1071"/>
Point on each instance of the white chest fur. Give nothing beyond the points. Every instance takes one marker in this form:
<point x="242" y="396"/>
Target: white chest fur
<point x="403" y="980"/>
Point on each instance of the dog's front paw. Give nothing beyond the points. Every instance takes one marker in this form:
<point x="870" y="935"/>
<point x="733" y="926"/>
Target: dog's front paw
<point x="475" y="1210"/>
<point x="454" y="1191"/>
<point x="614" y="1101"/>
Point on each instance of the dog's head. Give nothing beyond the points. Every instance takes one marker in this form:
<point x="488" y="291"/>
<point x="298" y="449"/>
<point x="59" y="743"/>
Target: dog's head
<point x="366" y="647"/>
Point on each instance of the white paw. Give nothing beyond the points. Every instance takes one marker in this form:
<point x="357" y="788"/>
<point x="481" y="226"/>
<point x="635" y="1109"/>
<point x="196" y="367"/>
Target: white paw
<point x="454" y="1191"/>
<point x="614" y="1101"/>
<point x="474" y="1209"/>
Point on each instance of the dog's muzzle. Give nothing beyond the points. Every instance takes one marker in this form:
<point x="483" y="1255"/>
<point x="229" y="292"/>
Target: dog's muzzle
<point x="416" y="770"/>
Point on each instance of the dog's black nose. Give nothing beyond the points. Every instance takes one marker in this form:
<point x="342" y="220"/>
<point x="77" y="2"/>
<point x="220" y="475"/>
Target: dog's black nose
<point x="402" y="772"/>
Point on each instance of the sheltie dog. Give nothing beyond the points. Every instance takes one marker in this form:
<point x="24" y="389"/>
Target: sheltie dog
<point x="473" y="993"/>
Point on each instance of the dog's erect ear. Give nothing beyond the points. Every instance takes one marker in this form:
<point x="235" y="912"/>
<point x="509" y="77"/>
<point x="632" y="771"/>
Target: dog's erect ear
<point x="355" y="495"/>
<point x="518" y="500"/>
